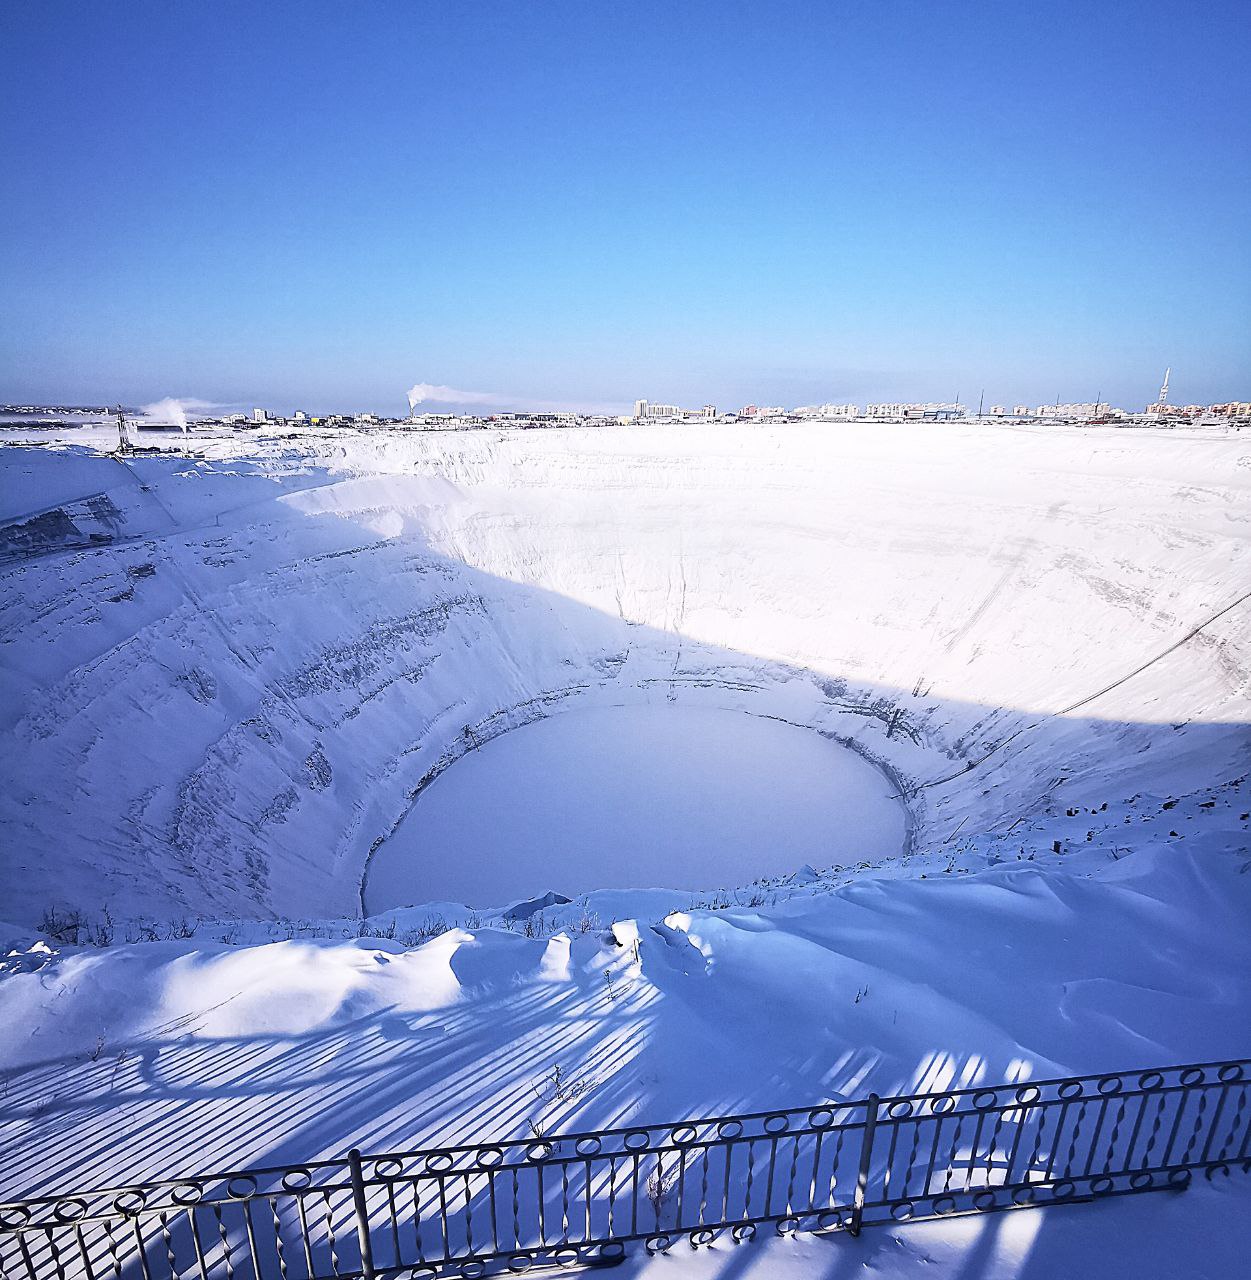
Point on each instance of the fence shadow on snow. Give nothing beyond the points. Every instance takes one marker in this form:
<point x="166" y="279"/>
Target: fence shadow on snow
<point x="585" y="1198"/>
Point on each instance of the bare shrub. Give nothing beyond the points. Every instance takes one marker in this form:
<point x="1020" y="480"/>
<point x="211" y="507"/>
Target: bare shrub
<point x="430" y="927"/>
<point x="659" y="1188"/>
<point x="101" y="933"/>
<point x="64" y="925"/>
<point x="718" y="902"/>
<point x="559" y="1086"/>
<point x="387" y="930"/>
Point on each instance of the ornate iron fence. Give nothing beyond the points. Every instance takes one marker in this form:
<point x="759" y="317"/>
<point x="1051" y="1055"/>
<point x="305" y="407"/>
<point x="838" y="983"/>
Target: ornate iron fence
<point x="582" y="1198"/>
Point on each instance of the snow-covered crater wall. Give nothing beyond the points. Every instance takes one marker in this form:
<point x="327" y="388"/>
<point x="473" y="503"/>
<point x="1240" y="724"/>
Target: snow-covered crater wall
<point x="226" y="677"/>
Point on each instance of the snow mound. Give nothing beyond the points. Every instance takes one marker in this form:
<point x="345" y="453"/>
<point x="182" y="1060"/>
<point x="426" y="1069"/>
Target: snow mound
<point x="138" y="1059"/>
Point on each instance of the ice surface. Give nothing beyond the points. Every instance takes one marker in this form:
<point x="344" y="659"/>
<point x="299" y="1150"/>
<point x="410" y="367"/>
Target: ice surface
<point x="629" y="796"/>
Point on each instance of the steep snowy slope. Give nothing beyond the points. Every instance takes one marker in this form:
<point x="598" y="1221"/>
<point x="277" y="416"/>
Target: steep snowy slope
<point x="226" y="677"/>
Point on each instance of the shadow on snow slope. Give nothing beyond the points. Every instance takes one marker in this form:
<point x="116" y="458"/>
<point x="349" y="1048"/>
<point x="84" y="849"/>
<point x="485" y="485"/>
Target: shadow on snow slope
<point x="228" y="718"/>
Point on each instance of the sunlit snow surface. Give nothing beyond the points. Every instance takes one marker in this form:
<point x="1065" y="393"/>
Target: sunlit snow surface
<point x="227" y="679"/>
<point x="621" y="797"/>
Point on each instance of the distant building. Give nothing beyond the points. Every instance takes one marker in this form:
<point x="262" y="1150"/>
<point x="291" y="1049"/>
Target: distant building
<point x="708" y="412"/>
<point x="260" y="415"/>
<point x="645" y="411"/>
<point x="914" y="412"/>
<point x="827" y="412"/>
<point x="299" y="416"/>
<point x="1163" y="410"/>
<point x="1234" y="409"/>
<point x="1078" y="410"/>
<point x="838" y="412"/>
<point x="1020" y="411"/>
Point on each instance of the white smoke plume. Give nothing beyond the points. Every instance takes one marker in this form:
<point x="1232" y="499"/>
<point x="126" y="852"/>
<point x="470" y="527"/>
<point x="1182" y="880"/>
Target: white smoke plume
<point x="424" y="391"/>
<point x="437" y="394"/>
<point x="173" y="410"/>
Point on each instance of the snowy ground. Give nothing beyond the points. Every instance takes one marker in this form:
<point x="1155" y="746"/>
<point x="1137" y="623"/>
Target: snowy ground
<point x="229" y="676"/>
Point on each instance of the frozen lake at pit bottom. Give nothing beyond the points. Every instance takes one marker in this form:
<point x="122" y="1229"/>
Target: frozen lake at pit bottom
<point x="635" y="797"/>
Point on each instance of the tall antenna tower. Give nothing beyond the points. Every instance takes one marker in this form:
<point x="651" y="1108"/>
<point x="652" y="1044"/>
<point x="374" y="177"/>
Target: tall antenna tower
<point x="1163" y="400"/>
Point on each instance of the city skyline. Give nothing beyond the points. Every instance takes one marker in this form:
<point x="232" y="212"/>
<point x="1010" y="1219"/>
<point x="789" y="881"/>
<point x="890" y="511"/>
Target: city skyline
<point x="425" y="406"/>
<point x="437" y="398"/>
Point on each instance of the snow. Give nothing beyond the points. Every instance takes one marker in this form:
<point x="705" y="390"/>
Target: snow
<point x="322" y="618"/>
<point x="1201" y="1235"/>
<point x="961" y="979"/>
<point x="232" y="672"/>
<point x="620" y="797"/>
<point x="166" y="1057"/>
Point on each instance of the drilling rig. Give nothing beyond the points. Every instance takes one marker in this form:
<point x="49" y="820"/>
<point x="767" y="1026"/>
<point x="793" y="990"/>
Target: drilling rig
<point x="124" y="446"/>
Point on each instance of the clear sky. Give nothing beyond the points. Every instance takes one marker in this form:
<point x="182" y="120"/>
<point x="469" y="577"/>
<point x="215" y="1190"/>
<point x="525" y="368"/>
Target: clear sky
<point x="317" y="205"/>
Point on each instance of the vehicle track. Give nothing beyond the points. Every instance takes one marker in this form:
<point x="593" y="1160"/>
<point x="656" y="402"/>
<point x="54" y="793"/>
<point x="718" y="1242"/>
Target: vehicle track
<point x="1082" y="702"/>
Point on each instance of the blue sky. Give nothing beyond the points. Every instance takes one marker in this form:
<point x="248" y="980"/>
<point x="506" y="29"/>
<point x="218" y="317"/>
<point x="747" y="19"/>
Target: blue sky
<point x="317" y="205"/>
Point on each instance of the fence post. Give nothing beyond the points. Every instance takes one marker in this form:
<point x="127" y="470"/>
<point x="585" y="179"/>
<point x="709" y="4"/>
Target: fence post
<point x="362" y="1214"/>
<point x="866" y="1154"/>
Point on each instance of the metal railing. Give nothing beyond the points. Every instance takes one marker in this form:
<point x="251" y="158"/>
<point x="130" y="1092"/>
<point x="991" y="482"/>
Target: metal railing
<point x="583" y="1198"/>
